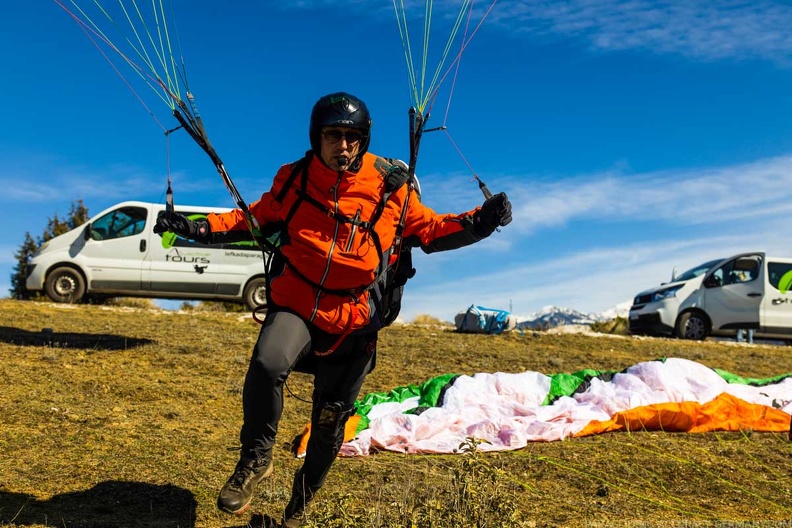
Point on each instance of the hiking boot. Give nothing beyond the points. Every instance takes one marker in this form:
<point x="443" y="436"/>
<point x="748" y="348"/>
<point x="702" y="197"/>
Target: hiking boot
<point x="295" y="512"/>
<point x="236" y="494"/>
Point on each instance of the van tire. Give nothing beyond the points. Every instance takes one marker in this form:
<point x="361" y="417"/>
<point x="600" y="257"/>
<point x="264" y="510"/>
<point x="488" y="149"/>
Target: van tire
<point x="65" y="285"/>
<point x="256" y="293"/>
<point x="692" y="325"/>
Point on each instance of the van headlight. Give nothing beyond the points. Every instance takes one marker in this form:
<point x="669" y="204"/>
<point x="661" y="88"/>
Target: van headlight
<point x="665" y="293"/>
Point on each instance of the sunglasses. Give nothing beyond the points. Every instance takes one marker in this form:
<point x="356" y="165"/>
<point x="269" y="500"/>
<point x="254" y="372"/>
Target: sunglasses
<point x="334" y="136"/>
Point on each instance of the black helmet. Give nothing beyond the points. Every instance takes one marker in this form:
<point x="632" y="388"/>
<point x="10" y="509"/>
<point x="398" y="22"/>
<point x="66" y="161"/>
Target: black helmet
<point x="339" y="109"/>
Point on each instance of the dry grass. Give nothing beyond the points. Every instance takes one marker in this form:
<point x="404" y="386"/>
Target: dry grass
<point x="123" y="416"/>
<point x="426" y="319"/>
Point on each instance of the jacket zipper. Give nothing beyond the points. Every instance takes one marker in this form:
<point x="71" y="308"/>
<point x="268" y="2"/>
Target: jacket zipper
<point x="334" y="190"/>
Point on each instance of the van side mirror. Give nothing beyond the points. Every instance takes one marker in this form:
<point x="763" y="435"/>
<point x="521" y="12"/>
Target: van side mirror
<point x="87" y="232"/>
<point x="713" y="281"/>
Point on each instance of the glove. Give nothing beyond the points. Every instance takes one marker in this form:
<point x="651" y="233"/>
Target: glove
<point x="197" y="230"/>
<point x="495" y="212"/>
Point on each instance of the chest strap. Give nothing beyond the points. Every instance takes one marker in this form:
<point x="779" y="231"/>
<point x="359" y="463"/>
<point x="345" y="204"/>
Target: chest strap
<point x="332" y="214"/>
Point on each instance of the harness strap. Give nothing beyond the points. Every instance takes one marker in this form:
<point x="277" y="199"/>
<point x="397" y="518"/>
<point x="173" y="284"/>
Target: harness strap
<point x="397" y="239"/>
<point x="353" y="293"/>
<point x="301" y="164"/>
<point x="287" y="186"/>
<point x="332" y="214"/>
<point x="385" y="265"/>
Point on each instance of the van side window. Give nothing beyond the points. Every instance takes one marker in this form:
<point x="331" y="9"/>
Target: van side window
<point x="738" y="271"/>
<point x="775" y="271"/>
<point x="124" y="222"/>
<point x="744" y="269"/>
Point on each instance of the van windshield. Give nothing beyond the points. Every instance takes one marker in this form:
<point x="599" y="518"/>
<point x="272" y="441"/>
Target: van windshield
<point x="701" y="269"/>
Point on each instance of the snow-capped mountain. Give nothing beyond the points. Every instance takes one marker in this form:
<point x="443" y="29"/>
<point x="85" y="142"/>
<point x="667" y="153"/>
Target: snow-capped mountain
<point x="552" y="316"/>
<point x="620" y="310"/>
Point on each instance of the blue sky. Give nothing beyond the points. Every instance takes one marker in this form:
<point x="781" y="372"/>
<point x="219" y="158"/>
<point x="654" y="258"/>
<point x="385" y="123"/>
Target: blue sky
<point x="631" y="136"/>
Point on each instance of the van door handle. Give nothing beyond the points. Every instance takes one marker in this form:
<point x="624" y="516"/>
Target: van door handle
<point x="143" y="245"/>
<point x="754" y="294"/>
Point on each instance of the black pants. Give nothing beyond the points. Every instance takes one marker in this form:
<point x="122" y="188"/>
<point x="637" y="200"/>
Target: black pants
<point x="287" y="341"/>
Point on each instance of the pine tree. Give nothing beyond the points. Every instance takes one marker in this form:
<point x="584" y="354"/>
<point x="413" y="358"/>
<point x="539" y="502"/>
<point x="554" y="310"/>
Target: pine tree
<point x="18" y="277"/>
<point x="55" y="227"/>
<point x="78" y="215"/>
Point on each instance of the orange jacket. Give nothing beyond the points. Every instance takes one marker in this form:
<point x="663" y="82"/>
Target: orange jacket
<point x="338" y="261"/>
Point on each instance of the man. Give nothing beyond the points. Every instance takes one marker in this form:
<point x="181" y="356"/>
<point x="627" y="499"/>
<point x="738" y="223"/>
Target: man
<point x="343" y="215"/>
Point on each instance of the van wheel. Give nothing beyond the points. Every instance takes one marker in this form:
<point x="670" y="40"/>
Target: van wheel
<point x="256" y="293"/>
<point x="692" y="325"/>
<point x="65" y="285"/>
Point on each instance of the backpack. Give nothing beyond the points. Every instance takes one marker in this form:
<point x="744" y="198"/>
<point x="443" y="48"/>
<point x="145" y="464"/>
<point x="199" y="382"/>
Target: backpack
<point x="479" y="320"/>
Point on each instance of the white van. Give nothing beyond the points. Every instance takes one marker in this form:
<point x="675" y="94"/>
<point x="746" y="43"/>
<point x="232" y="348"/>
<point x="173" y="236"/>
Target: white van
<point x="654" y="311"/>
<point x="117" y="253"/>
<point x="745" y="291"/>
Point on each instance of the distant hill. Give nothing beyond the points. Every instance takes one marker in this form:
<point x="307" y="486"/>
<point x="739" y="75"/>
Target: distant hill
<point x="553" y="316"/>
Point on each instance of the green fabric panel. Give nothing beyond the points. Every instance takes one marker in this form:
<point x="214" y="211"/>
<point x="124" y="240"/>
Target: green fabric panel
<point x="432" y="390"/>
<point x="756" y="382"/>
<point x="428" y="394"/>
<point x="399" y="394"/>
<point x="362" y="425"/>
<point x="565" y="384"/>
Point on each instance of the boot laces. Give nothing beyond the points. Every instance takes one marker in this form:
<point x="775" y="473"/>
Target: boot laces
<point x="243" y="473"/>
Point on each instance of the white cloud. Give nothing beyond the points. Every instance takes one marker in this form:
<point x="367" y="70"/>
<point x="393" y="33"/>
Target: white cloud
<point x="48" y="180"/>
<point x="702" y="29"/>
<point x="682" y="197"/>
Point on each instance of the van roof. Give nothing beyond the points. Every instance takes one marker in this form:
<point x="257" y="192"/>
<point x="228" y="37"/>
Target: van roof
<point x="137" y="203"/>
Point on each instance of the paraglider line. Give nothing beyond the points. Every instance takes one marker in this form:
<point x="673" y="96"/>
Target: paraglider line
<point x="487" y="193"/>
<point x="456" y="70"/>
<point x="120" y="75"/>
<point x="148" y="78"/>
<point x="461" y="51"/>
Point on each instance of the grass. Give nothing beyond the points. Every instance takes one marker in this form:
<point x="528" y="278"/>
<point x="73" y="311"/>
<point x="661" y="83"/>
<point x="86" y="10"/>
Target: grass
<point x="125" y="416"/>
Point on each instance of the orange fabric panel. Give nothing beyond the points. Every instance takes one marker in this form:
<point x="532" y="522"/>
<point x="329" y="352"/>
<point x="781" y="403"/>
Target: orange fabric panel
<point x="724" y="413"/>
<point x="349" y="433"/>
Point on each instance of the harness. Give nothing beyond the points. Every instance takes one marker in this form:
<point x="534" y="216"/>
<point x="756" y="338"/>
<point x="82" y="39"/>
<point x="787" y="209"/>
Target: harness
<point x="389" y="279"/>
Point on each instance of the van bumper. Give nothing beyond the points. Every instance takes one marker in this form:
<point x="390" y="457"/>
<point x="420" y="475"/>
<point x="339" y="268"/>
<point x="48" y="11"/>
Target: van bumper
<point x="34" y="280"/>
<point x="649" y="324"/>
